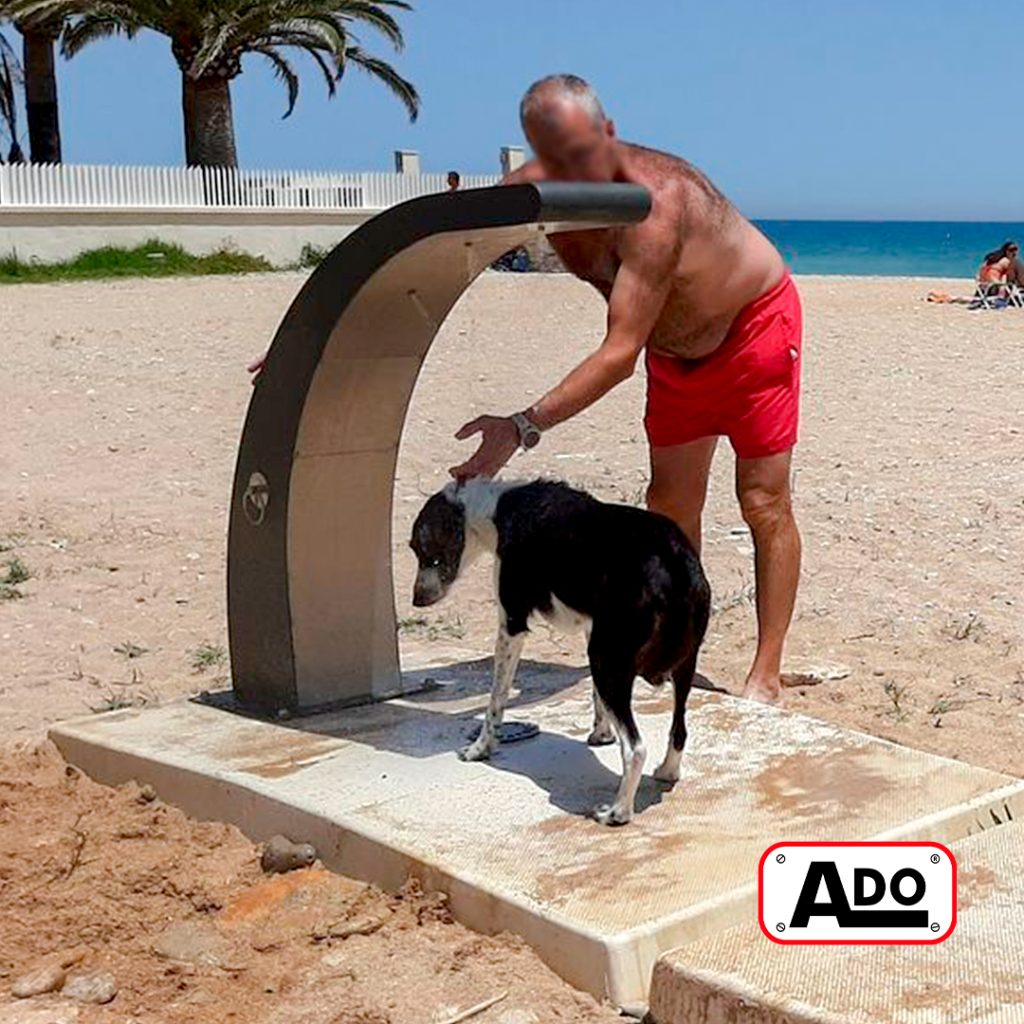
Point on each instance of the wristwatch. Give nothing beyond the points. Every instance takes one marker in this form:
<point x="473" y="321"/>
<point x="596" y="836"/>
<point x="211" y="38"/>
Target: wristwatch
<point x="529" y="433"/>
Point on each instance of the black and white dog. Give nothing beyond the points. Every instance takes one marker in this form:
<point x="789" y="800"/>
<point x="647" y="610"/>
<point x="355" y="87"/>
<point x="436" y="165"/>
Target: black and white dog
<point x="629" y="578"/>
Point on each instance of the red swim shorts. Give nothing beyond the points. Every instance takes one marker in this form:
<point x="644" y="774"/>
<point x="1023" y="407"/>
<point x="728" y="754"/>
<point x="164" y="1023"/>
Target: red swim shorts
<point x="748" y="389"/>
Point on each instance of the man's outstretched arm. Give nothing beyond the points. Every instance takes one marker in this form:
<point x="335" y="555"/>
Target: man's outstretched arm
<point x="649" y="258"/>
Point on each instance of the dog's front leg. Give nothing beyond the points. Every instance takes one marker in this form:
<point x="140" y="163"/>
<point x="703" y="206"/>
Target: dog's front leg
<point x="507" y="650"/>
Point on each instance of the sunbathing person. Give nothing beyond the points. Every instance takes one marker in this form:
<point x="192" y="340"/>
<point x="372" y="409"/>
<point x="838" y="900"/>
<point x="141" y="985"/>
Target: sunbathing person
<point x="995" y="266"/>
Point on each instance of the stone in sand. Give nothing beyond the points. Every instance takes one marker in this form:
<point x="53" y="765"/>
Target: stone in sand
<point x="198" y="943"/>
<point x="280" y="854"/>
<point x="98" y="988"/>
<point x="47" y="978"/>
<point x="519" y="1017"/>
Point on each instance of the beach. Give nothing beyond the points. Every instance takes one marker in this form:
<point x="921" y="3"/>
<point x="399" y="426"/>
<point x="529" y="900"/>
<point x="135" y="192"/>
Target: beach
<point x="123" y="405"/>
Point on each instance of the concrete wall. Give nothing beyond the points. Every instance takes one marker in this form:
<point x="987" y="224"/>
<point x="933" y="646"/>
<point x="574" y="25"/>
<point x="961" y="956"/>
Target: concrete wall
<point x="54" y="234"/>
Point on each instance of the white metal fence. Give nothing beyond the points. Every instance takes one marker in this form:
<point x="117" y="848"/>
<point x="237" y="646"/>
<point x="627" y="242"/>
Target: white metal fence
<point x="36" y="186"/>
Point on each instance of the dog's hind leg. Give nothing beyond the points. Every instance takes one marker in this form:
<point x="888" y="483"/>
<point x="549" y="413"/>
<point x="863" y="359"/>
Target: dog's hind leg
<point x="507" y="650"/>
<point x="682" y="680"/>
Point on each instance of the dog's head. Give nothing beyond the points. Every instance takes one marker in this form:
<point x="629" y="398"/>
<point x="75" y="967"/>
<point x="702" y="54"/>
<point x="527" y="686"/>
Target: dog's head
<point x="438" y="540"/>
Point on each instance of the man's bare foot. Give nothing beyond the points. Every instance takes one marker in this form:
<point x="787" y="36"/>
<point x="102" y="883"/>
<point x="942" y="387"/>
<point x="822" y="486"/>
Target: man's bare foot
<point x="763" y="688"/>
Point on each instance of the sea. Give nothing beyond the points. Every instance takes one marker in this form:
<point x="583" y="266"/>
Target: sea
<point x="888" y="248"/>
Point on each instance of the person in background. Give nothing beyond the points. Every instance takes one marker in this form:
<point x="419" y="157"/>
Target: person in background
<point x="996" y="264"/>
<point x="1015" y="271"/>
<point x="1000" y="267"/>
<point x="454" y="181"/>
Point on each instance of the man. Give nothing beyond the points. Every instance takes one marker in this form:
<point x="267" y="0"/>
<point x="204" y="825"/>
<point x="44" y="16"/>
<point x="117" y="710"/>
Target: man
<point x="454" y="181"/>
<point x="709" y="298"/>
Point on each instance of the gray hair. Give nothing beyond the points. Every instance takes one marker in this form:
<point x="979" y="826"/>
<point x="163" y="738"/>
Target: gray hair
<point x="570" y="88"/>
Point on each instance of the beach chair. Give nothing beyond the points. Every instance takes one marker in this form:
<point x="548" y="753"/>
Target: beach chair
<point x="1015" y="295"/>
<point x="987" y="294"/>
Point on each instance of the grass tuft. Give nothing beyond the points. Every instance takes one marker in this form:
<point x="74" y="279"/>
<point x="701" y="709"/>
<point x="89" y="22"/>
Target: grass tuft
<point x="439" y="629"/>
<point x="312" y="255"/>
<point x="896" y="694"/>
<point x="17" y="572"/>
<point x="207" y="656"/>
<point x="151" y="259"/>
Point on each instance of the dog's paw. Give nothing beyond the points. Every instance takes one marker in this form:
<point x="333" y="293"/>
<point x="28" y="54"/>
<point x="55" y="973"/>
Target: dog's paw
<point x="667" y="773"/>
<point x="601" y="737"/>
<point x="478" y="750"/>
<point x="610" y="814"/>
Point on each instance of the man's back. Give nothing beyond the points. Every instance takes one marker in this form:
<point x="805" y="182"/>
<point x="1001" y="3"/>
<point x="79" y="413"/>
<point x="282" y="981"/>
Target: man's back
<point x="724" y="262"/>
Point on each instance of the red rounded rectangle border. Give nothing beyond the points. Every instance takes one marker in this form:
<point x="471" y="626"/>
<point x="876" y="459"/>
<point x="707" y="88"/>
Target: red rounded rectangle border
<point x="943" y="852"/>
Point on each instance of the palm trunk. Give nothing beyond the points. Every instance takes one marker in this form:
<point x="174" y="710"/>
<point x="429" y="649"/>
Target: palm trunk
<point x="209" y="128"/>
<point x="41" y="93"/>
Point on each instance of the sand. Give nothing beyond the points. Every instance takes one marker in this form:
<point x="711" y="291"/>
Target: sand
<point x="178" y="913"/>
<point x="123" y="404"/>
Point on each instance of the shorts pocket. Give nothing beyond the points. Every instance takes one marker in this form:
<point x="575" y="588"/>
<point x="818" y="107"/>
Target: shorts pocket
<point x="770" y="358"/>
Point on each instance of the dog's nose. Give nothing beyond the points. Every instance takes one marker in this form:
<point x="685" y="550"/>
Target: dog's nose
<point x="427" y="589"/>
<point x="424" y="595"/>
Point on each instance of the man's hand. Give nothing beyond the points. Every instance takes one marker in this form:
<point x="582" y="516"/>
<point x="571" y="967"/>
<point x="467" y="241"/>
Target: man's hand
<point x="256" y="366"/>
<point x="498" y="445"/>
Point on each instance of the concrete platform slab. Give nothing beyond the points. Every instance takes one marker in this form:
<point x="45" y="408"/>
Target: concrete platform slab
<point x="380" y="792"/>
<point x="975" y="977"/>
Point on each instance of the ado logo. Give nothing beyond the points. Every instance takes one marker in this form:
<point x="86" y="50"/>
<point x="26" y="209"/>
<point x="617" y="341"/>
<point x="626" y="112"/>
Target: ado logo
<point x="863" y="893"/>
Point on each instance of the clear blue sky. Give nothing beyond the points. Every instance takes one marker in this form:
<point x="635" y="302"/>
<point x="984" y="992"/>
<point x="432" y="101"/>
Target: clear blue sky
<point x="797" y="108"/>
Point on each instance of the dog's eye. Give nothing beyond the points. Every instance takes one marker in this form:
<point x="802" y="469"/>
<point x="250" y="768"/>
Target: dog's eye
<point x="435" y="563"/>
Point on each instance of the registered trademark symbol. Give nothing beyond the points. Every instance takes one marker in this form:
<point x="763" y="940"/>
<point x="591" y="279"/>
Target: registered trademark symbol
<point x="780" y="927"/>
<point x="934" y="926"/>
<point x="781" y="858"/>
<point x="935" y="858"/>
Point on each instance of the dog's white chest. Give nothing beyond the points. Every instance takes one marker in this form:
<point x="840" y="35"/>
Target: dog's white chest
<point x="566" y="619"/>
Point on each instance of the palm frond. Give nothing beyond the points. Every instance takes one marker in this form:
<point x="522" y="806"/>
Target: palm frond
<point x="11" y="78"/>
<point x="8" y="53"/>
<point x="24" y="12"/>
<point x="374" y="15"/>
<point x="284" y="71"/>
<point x="331" y="74"/>
<point x="212" y="47"/>
<point x="81" y="32"/>
<point x="388" y="76"/>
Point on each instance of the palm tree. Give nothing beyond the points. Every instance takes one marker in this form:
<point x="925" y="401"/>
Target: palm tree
<point x="39" y="36"/>
<point x="10" y="79"/>
<point x="210" y="37"/>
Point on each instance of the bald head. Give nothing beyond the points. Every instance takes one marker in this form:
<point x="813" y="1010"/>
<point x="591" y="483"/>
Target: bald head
<point x="556" y="96"/>
<point x="566" y="125"/>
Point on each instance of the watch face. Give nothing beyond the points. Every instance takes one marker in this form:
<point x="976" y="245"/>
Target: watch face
<point x="531" y="438"/>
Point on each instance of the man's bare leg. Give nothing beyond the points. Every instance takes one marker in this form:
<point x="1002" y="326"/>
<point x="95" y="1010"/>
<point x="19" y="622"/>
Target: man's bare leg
<point x="762" y="486"/>
<point x="679" y="484"/>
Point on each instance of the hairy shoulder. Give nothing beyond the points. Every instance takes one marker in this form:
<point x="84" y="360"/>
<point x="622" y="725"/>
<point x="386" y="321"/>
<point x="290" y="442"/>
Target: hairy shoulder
<point x="527" y="174"/>
<point x="678" y="188"/>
